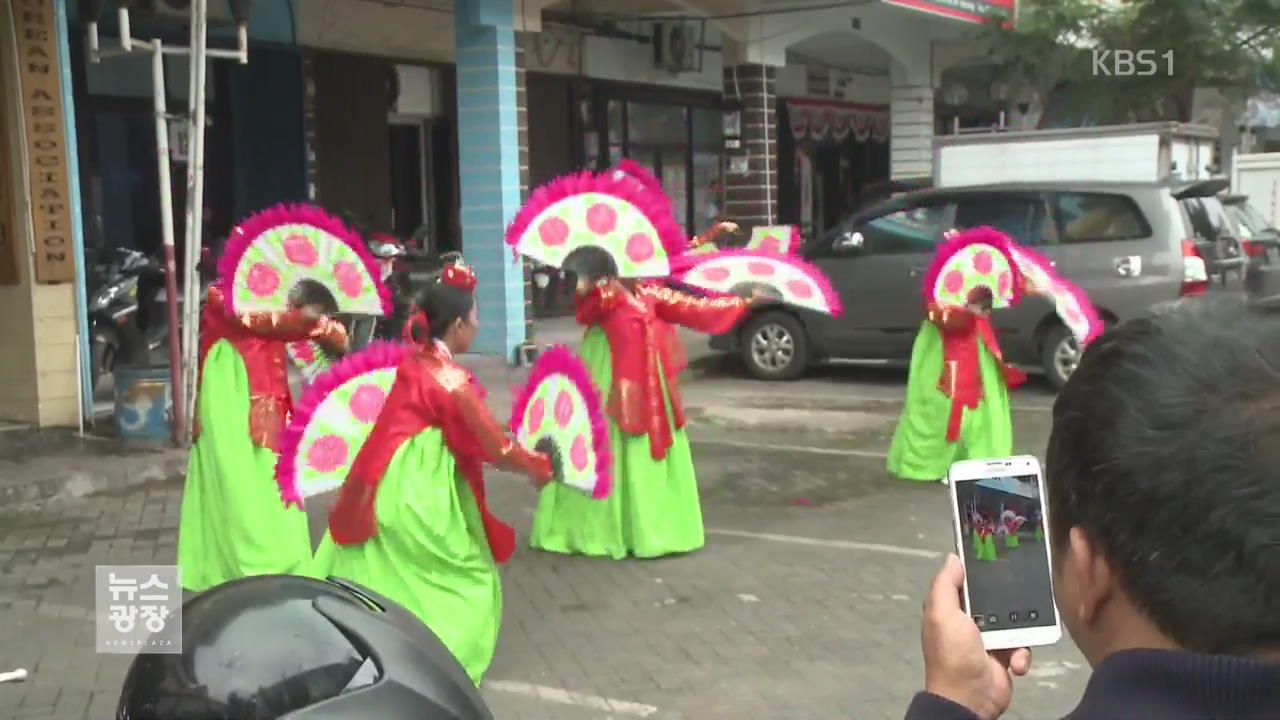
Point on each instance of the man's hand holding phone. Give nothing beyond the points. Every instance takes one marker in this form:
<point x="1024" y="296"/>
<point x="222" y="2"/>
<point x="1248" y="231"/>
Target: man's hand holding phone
<point x="956" y="664"/>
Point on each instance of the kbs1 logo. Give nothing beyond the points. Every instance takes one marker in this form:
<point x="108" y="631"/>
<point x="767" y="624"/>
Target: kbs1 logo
<point x="1128" y="63"/>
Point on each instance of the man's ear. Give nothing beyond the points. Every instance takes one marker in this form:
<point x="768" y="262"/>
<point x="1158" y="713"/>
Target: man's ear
<point x="1096" y="580"/>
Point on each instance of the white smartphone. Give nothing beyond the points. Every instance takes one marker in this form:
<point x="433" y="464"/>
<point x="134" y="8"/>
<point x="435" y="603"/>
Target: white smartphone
<point x="1002" y="535"/>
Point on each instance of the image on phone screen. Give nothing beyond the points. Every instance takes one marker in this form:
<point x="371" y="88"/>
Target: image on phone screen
<point x="1005" y="553"/>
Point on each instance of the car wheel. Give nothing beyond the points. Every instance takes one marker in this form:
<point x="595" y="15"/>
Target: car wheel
<point x="774" y="347"/>
<point x="1060" y="354"/>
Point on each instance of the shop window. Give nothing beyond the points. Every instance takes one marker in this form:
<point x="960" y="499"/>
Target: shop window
<point x="1097" y="217"/>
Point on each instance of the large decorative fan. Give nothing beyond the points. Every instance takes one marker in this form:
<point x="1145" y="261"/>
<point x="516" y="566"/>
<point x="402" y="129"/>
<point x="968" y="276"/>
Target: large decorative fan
<point x="970" y="259"/>
<point x="559" y="412"/>
<point x="785" y="277"/>
<point x="1071" y="303"/>
<point x="627" y="167"/>
<point x="333" y="419"/>
<point x="309" y="358"/>
<point x="612" y="211"/>
<point x="271" y="252"/>
<point x="780" y="239"/>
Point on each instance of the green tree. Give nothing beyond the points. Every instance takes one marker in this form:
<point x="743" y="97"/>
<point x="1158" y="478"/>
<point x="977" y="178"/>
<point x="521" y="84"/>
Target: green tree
<point x="1229" y="45"/>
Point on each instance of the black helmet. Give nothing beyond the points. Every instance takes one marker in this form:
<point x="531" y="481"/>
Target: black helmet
<point x="282" y="647"/>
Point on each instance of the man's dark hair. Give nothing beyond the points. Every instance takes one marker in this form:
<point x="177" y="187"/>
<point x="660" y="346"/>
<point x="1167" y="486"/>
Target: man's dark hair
<point x="1165" y="450"/>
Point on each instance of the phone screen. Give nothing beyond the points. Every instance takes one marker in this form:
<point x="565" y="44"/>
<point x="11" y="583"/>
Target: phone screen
<point x="1005" y="553"/>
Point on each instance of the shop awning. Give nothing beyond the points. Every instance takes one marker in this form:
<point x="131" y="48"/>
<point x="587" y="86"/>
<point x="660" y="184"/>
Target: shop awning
<point x="820" y="119"/>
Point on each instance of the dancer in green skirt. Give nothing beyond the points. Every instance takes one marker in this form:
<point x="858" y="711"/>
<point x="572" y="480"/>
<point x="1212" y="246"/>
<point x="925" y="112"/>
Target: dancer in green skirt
<point x="411" y="521"/>
<point x="957" y="404"/>
<point x="634" y="357"/>
<point x="233" y="523"/>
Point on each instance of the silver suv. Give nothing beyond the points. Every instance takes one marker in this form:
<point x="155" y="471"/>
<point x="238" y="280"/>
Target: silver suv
<point x="1129" y="246"/>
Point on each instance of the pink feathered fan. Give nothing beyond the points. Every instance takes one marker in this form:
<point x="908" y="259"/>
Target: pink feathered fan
<point x="333" y="419"/>
<point x="268" y="254"/>
<point x="786" y="277"/>
<point x="613" y="211"/>
<point x="559" y="412"/>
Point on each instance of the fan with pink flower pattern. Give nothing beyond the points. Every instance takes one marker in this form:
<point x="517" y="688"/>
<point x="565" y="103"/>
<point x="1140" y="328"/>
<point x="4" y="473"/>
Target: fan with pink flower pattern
<point x="333" y="419"/>
<point x="559" y="413"/>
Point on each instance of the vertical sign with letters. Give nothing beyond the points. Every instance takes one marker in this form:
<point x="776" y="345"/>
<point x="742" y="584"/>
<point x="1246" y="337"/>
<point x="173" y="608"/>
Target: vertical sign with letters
<point x="48" y="178"/>
<point x="9" y="254"/>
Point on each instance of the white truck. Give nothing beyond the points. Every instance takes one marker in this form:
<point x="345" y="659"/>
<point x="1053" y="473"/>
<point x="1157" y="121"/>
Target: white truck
<point x="1146" y="152"/>
<point x="1257" y="175"/>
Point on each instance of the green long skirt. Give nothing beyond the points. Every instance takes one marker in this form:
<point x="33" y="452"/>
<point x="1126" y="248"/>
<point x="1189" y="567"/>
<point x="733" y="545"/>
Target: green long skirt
<point x="920" y="450"/>
<point x="430" y="553"/>
<point x="233" y="523"/>
<point x="654" y="508"/>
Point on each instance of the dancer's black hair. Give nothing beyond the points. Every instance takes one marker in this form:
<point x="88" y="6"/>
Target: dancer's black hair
<point x="443" y="305"/>
<point x="591" y="263"/>
<point x="310" y="292"/>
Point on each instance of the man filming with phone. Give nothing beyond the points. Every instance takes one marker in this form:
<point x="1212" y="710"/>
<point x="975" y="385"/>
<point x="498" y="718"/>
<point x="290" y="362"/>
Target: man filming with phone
<point x="1163" y="484"/>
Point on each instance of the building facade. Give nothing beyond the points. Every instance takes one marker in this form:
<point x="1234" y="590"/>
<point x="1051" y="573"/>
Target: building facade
<point x="431" y="120"/>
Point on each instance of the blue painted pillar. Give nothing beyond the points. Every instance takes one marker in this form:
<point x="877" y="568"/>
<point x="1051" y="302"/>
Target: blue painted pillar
<point x="489" y="166"/>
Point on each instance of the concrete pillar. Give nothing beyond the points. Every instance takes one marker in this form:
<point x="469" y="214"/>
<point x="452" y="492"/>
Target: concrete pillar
<point x="911" y="121"/>
<point x="489" y="166"/>
<point x="751" y="197"/>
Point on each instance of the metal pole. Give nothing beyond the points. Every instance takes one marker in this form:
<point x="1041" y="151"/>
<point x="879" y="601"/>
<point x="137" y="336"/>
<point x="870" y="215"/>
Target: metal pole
<point x="83" y="356"/>
<point x="195" y="204"/>
<point x="176" y="376"/>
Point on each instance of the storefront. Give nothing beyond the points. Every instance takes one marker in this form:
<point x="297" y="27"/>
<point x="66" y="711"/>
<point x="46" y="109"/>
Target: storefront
<point x="677" y="133"/>
<point x="835" y="150"/>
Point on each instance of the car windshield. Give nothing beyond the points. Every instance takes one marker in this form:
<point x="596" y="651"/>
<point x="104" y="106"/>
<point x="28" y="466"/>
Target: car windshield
<point x="1209" y="219"/>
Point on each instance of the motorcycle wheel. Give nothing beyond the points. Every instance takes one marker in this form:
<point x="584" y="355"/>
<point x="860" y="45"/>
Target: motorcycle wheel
<point x="102" y="355"/>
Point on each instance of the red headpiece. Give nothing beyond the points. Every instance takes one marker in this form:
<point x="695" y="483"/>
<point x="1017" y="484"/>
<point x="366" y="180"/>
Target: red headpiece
<point x="459" y="276"/>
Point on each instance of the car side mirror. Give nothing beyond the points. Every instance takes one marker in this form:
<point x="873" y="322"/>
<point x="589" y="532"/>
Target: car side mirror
<point x="850" y="241"/>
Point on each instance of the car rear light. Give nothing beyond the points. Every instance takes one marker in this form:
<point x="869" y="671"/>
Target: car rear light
<point x="1253" y="249"/>
<point x="1195" y="274"/>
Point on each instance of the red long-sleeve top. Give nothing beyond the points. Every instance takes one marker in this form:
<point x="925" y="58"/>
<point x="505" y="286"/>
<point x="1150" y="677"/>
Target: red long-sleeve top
<point x="961" y="374"/>
<point x="260" y="338"/>
<point x="642" y="338"/>
<point x="431" y="391"/>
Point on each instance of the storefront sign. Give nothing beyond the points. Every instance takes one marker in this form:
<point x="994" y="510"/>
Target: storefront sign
<point x="820" y="119"/>
<point x="973" y="11"/>
<point x="9" y="256"/>
<point x="39" y="82"/>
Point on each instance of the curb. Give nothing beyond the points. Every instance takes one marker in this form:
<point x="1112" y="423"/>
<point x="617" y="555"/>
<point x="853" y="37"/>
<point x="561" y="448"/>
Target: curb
<point x="71" y="478"/>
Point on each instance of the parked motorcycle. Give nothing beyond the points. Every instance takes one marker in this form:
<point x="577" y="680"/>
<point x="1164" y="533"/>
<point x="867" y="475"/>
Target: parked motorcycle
<point x="405" y="271"/>
<point x="115" y="337"/>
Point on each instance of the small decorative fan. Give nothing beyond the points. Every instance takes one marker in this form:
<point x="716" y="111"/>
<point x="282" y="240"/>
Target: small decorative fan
<point x="268" y="254"/>
<point x="333" y="419"/>
<point x="786" y="277"/>
<point x="308" y="357"/>
<point x="780" y="239"/>
<point x="559" y="412"/>
<point x="969" y="259"/>
<point x="612" y="211"/>
<point x="1071" y="303"/>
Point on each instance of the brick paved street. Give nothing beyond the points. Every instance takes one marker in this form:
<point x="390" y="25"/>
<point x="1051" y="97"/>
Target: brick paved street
<point x="804" y="605"/>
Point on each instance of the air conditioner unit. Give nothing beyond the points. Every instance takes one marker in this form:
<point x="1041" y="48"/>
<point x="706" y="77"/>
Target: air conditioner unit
<point x="219" y="10"/>
<point x="676" y="47"/>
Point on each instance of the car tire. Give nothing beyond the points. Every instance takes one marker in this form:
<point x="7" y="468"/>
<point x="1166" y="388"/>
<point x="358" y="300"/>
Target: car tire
<point x="1059" y="355"/>
<point x="774" y="346"/>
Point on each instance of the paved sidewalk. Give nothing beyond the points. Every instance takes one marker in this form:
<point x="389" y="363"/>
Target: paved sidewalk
<point x="804" y="604"/>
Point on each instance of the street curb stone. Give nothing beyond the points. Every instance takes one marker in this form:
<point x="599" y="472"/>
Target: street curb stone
<point x="38" y="466"/>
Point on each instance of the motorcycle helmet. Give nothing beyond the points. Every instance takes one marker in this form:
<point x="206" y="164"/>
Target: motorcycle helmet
<point x="282" y="647"/>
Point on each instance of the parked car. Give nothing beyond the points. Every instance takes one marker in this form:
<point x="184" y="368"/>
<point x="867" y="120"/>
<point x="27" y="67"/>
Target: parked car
<point x="1261" y="245"/>
<point x="1129" y="246"/>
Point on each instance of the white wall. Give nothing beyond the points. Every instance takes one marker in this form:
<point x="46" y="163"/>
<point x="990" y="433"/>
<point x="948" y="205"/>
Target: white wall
<point x="358" y="26"/>
<point x="793" y="81"/>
